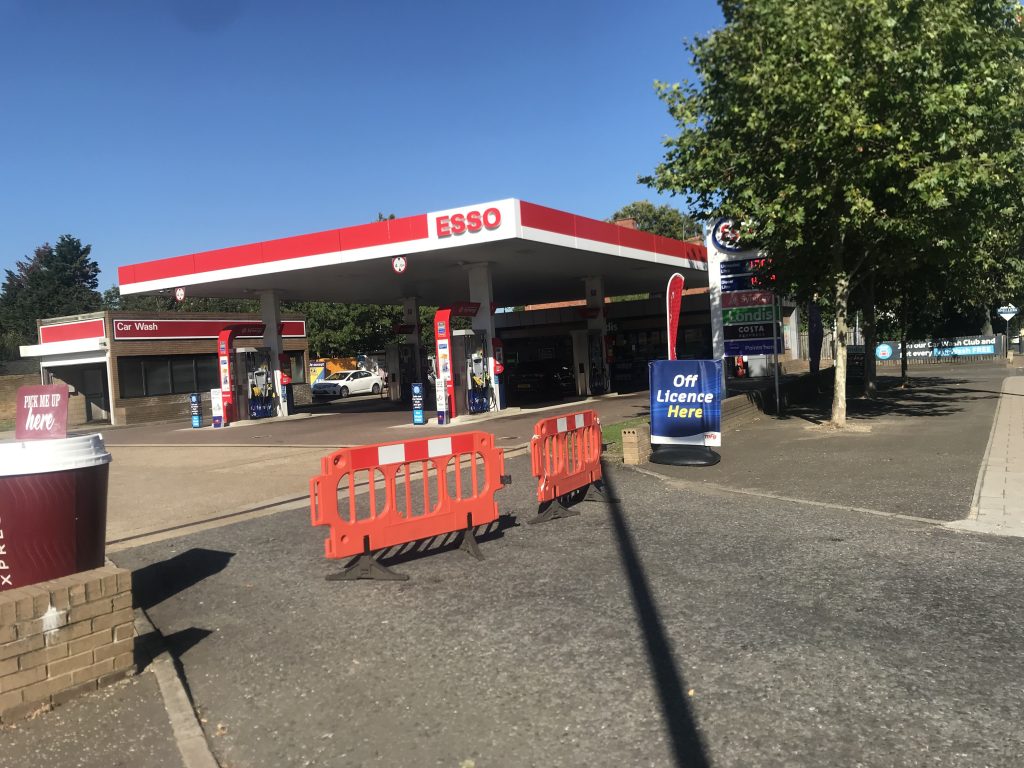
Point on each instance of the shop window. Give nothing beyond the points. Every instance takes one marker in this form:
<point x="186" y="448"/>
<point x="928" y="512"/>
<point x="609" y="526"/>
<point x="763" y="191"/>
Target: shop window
<point x="156" y="373"/>
<point x="183" y="374"/>
<point x="207" y="373"/>
<point x="129" y="373"/>
<point x="174" y="374"/>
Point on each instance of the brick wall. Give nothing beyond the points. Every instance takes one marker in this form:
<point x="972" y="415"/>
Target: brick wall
<point x="61" y="638"/>
<point x="739" y="409"/>
<point x="9" y="390"/>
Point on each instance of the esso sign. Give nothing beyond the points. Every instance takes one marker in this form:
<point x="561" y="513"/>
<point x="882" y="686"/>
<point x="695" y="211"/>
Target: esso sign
<point x="472" y="221"/>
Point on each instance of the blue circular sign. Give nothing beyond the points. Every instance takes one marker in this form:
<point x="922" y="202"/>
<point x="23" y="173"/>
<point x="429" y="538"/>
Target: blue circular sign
<point x="883" y="351"/>
<point x="725" y="236"/>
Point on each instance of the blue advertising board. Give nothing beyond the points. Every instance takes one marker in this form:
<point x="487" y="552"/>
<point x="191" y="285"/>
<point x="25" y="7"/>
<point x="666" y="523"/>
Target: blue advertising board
<point x="752" y="347"/>
<point x="195" y="408"/>
<point x="686" y="406"/>
<point x="418" y="416"/>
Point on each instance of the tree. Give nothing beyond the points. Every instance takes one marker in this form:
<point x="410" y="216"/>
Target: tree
<point x="858" y="138"/>
<point x="659" y="220"/>
<point x="165" y="302"/>
<point x="335" y="330"/>
<point x="58" y="280"/>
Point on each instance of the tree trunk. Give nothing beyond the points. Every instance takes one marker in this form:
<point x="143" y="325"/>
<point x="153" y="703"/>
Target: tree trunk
<point x="842" y="297"/>
<point x="870" y="332"/>
<point x="903" y="340"/>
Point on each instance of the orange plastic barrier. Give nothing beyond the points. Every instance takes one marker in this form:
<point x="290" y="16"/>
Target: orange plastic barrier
<point x="454" y="492"/>
<point x="565" y="455"/>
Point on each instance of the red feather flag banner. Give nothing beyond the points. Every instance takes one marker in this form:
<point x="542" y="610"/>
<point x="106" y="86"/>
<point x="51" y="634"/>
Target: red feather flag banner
<point x="673" y="304"/>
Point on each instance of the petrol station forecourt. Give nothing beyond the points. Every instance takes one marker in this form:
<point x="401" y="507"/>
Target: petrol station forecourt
<point x="746" y="621"/>
<point x="471" y="260"/>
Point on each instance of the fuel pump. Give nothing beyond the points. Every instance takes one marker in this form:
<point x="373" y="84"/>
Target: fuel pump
<point x="256" y="382"/>
<point x="597" y="363"/>
<point x="469" y="367"/>
<point x="477" y="382"/>
<point x="499" y="370"/>
<point x="401" y="370"/>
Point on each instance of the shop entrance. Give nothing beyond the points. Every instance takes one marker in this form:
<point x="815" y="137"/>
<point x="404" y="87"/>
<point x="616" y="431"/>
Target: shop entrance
<point x="90" y="399"/>
<point x="538" y="369"/>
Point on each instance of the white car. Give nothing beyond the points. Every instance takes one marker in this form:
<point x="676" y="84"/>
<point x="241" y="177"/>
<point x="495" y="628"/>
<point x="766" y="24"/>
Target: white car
<point x="345" y="383"/>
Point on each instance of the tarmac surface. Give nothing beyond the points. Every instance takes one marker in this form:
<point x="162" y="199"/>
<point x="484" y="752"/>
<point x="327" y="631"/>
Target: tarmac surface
<point x="803" y="603"/>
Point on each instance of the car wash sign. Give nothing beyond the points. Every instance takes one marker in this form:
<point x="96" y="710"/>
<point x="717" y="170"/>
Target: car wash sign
<point x="686" y="406"/>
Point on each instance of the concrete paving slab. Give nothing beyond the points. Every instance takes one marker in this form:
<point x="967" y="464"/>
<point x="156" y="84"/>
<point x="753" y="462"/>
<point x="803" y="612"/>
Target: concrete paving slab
<point x="123" y="725"/>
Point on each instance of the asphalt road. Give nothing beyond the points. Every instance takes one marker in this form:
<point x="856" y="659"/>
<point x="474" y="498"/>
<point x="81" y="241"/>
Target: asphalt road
<point x="677" y="626"/>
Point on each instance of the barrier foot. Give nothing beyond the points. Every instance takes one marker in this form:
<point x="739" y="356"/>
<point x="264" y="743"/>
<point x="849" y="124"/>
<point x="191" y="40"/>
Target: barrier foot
<point x="552" y="510"/>
<point x="468" y="541"/>
<point x="365" y="567"/>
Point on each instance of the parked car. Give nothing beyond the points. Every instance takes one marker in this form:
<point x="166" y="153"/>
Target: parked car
<point x="540" y="379"/>
<point x="345" y="383"/>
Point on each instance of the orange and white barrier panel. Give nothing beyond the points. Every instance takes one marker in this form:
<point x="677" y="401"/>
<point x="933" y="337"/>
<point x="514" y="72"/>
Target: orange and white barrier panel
<point x="414" y="490"/>
<point x="565" y="455"/>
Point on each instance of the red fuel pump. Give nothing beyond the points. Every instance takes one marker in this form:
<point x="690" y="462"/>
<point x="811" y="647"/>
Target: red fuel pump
<point x="227" y="373"/>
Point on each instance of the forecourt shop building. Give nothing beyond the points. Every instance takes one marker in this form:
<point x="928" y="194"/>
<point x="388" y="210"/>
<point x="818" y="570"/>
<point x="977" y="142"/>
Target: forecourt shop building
<point x="472" y="260"/>
<point x="132" y="367"/>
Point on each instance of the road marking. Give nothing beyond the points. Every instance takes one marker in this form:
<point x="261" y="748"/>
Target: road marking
<point x="766" y="495"/>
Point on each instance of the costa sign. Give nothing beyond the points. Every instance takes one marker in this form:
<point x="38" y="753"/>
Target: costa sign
<point x="471" y="221"/>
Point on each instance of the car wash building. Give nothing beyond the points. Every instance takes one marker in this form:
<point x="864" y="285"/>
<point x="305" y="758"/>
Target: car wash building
<point x="133" y="367"/>
<point x="473" y="262"/>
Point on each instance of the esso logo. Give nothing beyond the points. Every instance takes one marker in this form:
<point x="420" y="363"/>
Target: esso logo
<point x="474" y="221"/>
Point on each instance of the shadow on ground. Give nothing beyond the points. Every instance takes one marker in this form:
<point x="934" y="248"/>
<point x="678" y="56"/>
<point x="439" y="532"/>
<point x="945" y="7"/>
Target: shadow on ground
<point x="688" y="748"/>
<point x="923" y="396"/>
<point x="155" y="583"/>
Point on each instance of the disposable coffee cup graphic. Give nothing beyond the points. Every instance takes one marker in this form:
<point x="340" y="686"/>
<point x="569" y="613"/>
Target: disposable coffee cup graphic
<point x="53" y="508"/>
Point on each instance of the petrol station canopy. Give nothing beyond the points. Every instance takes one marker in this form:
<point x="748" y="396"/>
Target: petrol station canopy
<point x="536" y="254"/>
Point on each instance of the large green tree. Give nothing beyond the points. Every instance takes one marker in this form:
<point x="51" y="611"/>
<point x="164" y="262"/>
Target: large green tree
<point x="347" y="329"/>
<point x="659" y="219"/>
<point x="57" y="280"/>
<point x="858" y="138"/>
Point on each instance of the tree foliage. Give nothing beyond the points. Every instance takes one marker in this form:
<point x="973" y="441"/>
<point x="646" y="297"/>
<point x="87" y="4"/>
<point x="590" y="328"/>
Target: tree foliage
<point x="58" y="280"/>
<point x="339" y="330"/>
<point x="165" y="302"/>
<point x="859" y="138"/>
<point x="659" y="219"/>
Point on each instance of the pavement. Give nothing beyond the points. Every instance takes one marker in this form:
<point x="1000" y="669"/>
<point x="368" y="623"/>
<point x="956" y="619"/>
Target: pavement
<point x="811" y="600"/>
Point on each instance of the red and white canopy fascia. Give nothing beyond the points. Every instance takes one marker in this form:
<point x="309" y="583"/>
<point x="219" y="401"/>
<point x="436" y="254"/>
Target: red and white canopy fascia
<point x="536" y="253"/>
<point x="70" y="342"/>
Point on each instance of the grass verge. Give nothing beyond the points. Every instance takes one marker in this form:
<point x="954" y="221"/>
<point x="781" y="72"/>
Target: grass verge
<point x="611" y="434"/>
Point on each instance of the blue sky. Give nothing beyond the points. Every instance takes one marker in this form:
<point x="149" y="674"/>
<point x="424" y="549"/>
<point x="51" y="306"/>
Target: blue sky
<point x="154" y="128"/>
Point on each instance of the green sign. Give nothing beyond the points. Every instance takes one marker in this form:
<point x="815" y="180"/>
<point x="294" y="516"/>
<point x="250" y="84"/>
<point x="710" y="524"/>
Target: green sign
<point x="742" y="315"/>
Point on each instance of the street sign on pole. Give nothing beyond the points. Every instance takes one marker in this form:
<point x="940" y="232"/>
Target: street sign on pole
<point x="1007" y="313"/>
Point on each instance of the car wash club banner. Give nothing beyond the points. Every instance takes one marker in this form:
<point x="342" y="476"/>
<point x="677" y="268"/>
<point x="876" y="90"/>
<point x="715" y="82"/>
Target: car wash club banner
<point x="686" y="404"/>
